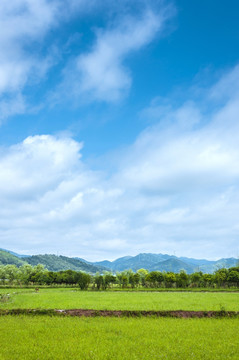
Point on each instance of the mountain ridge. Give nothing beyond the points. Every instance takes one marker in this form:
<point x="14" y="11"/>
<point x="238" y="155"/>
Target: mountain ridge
<point x="51" y="262"/>
<point x="148" y="261"/>
<point x="165" y="262"/>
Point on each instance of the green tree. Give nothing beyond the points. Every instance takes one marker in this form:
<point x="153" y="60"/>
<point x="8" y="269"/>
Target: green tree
<point x="196" y="279"/>
<point x="233" y="278"/>
<point x="98" y="281"/>
<point x="108" y="279"/>
<point x="154" y="279"/>
<point x="220" y="277"/>
<point x="208" y="280"/>
<point x="83" y="280"/>
<point x="136" y="279"/>
<point x="38" y="274"/>
<point x="170" y="279"/>
<point x="142" y="273"/>
<point x="182" y="279"/>
<point x="11" y="273"/>
<point x="3" y="274"/>
<point x="125" y="280"/>
<point x="25" y="272"/>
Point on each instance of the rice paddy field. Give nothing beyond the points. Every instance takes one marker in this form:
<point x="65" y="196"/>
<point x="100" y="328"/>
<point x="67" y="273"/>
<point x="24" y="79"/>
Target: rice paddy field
<point x="94" y="338"/>
<point x="72" y="299"/>
<point x="112" y="338"/>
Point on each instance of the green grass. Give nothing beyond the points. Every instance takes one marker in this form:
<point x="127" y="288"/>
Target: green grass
<point x="71" y="298"/>
<point x="112" y="338"/>
<point x="50" y="338"/>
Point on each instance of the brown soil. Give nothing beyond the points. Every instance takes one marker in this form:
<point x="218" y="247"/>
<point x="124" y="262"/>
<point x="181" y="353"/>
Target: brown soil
<point x="128" y="313"/>
<point x="121" y="313"/>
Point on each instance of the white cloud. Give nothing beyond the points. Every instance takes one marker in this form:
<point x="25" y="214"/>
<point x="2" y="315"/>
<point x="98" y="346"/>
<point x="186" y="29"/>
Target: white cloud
<point x="227" y="87"/>
<point x="101" y="73"/>
<point x="27" y="53"/>
<point x="48" y="160"/>
<point x="24" y="26"/>
<point x="22" y="22"/>
<point x="175" y="189"/>
<point x="11" y="106"/>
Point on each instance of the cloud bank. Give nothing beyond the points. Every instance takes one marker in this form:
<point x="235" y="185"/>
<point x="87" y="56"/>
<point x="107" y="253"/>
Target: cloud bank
<point x="175" y="189"/>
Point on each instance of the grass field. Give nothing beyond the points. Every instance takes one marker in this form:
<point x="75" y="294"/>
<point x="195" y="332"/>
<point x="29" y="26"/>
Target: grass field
<point x="71" y="298"/>
<point x="112" y="338"/>
<point x="50" y="338"/>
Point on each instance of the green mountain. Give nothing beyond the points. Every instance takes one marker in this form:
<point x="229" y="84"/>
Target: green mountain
<point x="145" y="260"/>
<point x="173" y="265"/>
<point x="58" y="263"/>
<point x="164" y="262"/>
<point x="51" y="262"/>
<point x="9" y="259"/>
<point x="218" y="264"/>
<point x="151" y="262"/>
<point x="13" y="253"/>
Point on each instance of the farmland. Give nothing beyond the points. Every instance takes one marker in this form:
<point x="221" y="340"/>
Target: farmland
<point x="113" y="338"/>
<point x="72" y="298"/>
<point x="63" y="337"/>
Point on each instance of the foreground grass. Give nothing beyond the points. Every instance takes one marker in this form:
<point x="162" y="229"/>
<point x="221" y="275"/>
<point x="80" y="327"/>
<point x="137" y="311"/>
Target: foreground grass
<point x="71" y="298"/>
<point x="112" y="338"/>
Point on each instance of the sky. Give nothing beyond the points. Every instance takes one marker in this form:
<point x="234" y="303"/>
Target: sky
<point x="119" y="127"/>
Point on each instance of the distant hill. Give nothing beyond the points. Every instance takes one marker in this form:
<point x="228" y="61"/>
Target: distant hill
<point x="15" y="254"/>
<point x="51" y="262"/>
<point x="174" y="265"/>
<point x="209" y="266"/>
<point x="161" y="262"/>
<point x="57" y="263"/>
<point x="7" y="258"/>
<point x="165" y="262"/>
<point x="151" y="262"/>
<point x="146" y="261"/>
<point x="197" y="262"/>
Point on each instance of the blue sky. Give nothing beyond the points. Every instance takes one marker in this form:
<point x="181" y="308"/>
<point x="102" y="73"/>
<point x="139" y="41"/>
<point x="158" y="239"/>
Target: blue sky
<point x="119" y="127"/>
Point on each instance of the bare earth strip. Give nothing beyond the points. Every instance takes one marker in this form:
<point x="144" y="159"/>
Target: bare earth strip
<point x="122" y="313"/>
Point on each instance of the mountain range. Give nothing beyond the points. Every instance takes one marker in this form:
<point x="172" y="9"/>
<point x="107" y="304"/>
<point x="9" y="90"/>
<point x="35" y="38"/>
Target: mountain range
<point x="165" y="262"/>
<point x="51" y="262"/>
<point x="151" y="262"/>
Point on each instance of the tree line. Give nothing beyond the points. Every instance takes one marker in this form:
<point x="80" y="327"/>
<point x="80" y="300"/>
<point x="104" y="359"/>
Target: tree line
<point x="39" y="275"/>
